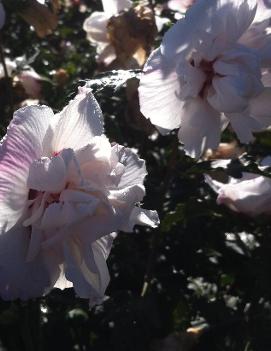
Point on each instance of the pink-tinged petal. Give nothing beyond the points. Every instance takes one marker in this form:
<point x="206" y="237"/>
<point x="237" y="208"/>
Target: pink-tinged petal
<point x="113" y="7"/>
<point x="23" y="143"/>
<point x="47" y="174"/>
<point x="78" y="122"/>
<point x="19" y="278"/>
<point x="200" y="128"/>
<point x="158" y="92"/>
<point x="260" y="108"/>
<point x="249" y="195"/>
<point x="244" y="125"/>
<point x="96" y="27"/>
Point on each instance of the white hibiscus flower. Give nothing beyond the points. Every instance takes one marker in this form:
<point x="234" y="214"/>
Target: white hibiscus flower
<point x="210" y="70"/>
<point x="63" y="190"/>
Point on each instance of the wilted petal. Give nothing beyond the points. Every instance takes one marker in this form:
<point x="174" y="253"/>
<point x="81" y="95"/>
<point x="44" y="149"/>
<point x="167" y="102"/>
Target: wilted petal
<point x="158" y="92"/>
<point x="200" y="128"/>
<point x="78" y="122"/>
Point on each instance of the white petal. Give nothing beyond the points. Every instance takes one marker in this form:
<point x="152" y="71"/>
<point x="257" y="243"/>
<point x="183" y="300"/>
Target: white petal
<point x="224" y="96"/>
<point x="260" y="108"/>
<point x="19" y="278"/>
<point x="47" y="174"/>
<point x="86" y="268"/>
<point x="214" y="24"/>
<point x="96" y="27"/>
<point x="23" y="143"/>
<point x="200" y="128"/>
<point x="244" y="125"/>
<point x="250" y="195"/>
<point x="135" y="168"/>
<point x="113" y="7"/>
<point x="158" y="92"/>
<point x="78" y="122"/>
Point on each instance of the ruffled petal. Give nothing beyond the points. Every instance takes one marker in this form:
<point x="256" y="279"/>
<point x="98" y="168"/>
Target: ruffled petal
<point x="23" y="143"/>
<point x="200" y="128"/>
<point x="78" y="122"/>
<point x="134" y="167"/>
<point x="158" y="92"/>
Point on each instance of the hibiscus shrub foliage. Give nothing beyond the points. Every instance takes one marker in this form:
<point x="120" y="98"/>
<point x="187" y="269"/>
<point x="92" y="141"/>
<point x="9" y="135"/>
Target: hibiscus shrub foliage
<point x="201" y="279"/>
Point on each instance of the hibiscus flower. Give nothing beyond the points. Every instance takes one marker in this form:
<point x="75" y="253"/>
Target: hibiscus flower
<point x="64" y="189"/>
<point x="250" y="194"/>
<point x="210" y="70"/>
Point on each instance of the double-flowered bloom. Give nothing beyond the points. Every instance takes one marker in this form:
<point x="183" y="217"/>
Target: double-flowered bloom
<point x="64" y="191"/>
<point x="211" y="69"/>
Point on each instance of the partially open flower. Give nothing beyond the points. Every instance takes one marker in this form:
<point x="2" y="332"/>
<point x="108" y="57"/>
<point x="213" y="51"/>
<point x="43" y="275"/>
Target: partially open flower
<point x="63" y="190"/>
<point x="40" y="17"/>
<point x="250" y="195"/>
<point x="210" y="70"/>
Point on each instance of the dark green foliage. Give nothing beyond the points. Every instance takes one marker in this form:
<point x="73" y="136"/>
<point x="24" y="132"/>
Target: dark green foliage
<point x="195" y="274"/>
